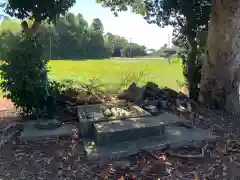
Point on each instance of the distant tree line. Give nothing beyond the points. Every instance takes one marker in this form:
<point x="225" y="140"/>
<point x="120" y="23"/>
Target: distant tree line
<point x="166" y="52"/>
<point x="73" y="38"/>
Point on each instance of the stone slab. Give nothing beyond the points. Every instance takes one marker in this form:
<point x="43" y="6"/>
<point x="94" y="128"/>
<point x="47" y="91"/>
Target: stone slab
<point x="133" y="128"/>
<point x="31" y="133"/>
<point x="125" y="130"/>
<point x="179" y="136"/>
<point x="138" y="122"/>
<point x="95" y="116"/>
<point x="169" y="118"/>
<point x="175" y="137"/>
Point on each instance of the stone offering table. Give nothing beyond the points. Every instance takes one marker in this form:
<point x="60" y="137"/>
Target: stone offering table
<point x="93" y="114"/>
<point x="120" y="137"/>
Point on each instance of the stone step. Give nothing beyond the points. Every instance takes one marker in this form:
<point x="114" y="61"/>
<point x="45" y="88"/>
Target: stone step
<point x="30" y="132"/>
<point x="126" y="130"/>
<point x="175" y="137"/>
<point x="133" y="128"/>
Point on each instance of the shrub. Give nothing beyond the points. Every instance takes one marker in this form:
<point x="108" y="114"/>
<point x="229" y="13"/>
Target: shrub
<point x="24" y="78"/>
<point x="198" y="68"/>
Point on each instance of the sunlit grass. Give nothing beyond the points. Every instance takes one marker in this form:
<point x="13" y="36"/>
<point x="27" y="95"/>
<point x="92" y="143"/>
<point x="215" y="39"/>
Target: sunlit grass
<point x="111" y="72"/>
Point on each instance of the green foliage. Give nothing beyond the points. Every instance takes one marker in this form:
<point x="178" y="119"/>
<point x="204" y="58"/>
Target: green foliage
<point x="23" y="74"/>
<point x="134" y="50"/>
<point x="138" y="6"/>
<point x="190" y="18"/>
<point x="131" y="77"/>
<point x="94" y="86"/>
<point x="198" y="66"/>
<point x="24" y="78"/>
<point x="166" y="12"/>
<point x="39" y="9"/>
<point x="72" y="38"/>
<point x="181" y="41"/>
<point x="97" y="25"/>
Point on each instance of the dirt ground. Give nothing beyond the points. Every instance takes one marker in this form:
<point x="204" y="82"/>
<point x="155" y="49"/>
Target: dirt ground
<point x="65" y="159"/>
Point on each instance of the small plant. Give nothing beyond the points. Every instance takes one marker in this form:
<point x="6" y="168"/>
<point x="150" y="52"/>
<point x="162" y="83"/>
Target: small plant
<point x="94" y="86"/>
<point x="131" y="77"/>
<point x="24" y="78"/>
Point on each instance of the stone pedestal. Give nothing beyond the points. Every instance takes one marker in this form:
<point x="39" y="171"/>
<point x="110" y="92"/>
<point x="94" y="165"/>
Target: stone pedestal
<point x="30" y="132"/>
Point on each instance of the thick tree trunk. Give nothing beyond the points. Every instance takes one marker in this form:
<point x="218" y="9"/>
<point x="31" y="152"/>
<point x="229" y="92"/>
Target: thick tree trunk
<point x="221" y="67"/>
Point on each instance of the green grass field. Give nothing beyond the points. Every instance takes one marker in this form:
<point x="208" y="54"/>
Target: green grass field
<point x="113" y="71"/>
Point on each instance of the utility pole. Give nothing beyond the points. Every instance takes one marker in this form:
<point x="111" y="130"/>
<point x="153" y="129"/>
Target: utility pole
<point x="169" y="39"/>
<point x="169" y="58"/>
<point x="114" y="42"/>
<point x="50" y="47"/>
<point x="130" y="50"/>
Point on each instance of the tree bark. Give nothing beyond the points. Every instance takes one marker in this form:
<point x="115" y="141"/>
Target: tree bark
<point x="221" y="67"/>
<point x="191" y="65"/>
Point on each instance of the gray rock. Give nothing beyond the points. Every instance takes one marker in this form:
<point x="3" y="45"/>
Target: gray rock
<point x="171" y="93"/>
<point x="152" y="86"/>
<point x="151" y="101"/>
<point x="163" y="103"/>
<point x="151" y="90"/>
<point x="133" y="94"/>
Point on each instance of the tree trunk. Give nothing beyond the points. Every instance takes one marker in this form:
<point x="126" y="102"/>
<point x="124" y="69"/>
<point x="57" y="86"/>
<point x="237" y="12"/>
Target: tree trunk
<point x="191" y="65"/>
<point x="220" y="73"/>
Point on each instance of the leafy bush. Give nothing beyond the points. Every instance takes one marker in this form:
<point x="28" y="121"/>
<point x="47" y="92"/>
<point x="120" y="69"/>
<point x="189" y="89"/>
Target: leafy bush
<point x="198" y="67"/>
<point x="24" y="78"/>
<point x="94" y="87"/>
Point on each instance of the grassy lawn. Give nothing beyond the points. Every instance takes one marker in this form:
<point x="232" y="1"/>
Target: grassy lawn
<point x="113" y="71"/>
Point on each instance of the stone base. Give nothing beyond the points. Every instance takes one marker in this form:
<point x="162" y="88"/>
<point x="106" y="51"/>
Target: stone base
<point x="134" y="128"/>
<point x="127" y="130"/>
<point x="30" y="132"/>
<point x="91" y="114"/>
<point x="175" y="137"/>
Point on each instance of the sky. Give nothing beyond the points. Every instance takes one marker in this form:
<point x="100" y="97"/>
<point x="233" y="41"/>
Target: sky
<point x="2" y="7"/>
<point x="127" y="24"/>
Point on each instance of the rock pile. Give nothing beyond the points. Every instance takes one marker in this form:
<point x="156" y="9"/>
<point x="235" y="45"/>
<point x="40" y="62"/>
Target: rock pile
<point x="151" y="94"/>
